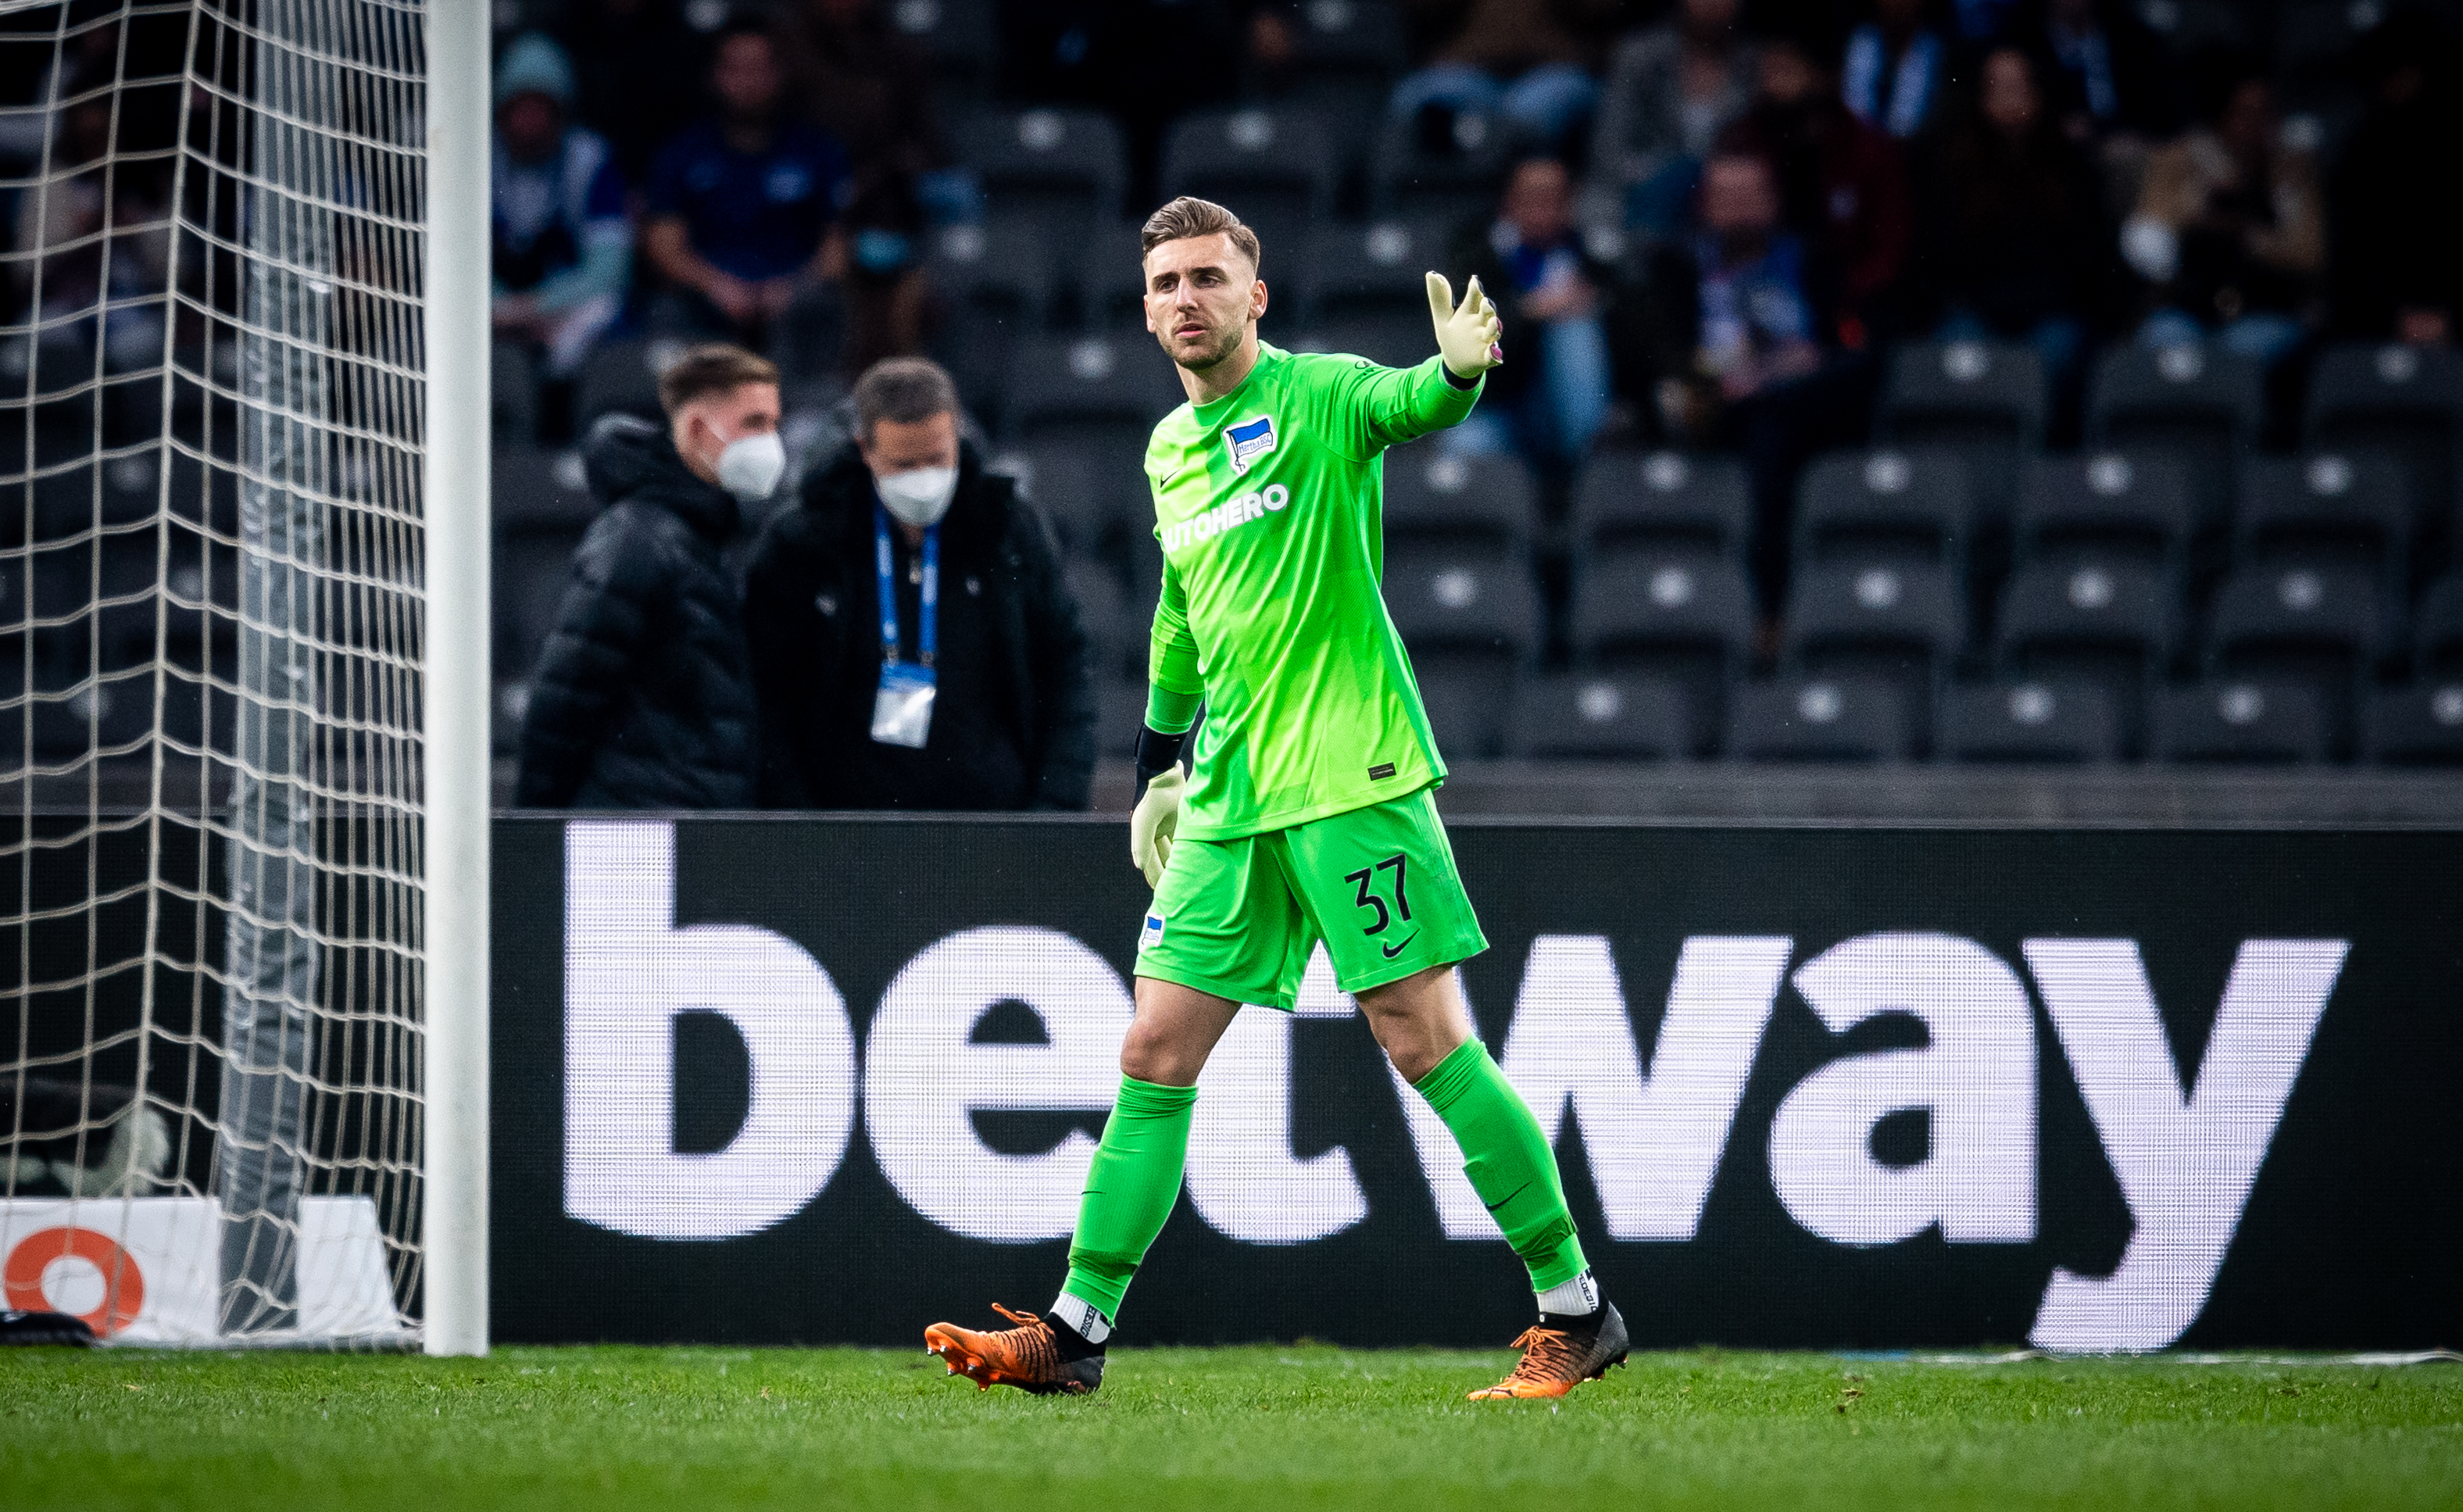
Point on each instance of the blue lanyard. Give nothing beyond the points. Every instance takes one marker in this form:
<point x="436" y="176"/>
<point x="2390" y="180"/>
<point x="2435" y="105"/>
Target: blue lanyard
<point x="928" y="631"/>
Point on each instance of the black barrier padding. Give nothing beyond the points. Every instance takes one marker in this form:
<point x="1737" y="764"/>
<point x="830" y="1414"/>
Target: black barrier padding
<point x="2346" y="1241"/>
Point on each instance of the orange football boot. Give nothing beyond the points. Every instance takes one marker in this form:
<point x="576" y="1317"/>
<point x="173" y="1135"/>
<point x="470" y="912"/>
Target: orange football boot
<point x="1554" y="1360"/>
<point x="1028" y="1356"/>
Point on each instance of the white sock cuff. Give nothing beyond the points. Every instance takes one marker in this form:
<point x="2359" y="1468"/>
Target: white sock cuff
<point x="1571" y="1298"/>
<point x="1080" y="1314"/>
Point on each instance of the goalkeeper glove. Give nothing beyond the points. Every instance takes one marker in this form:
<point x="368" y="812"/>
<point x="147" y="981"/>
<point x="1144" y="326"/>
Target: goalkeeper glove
<point x="1467" y="335"/>
<point x="1154" y="821"/>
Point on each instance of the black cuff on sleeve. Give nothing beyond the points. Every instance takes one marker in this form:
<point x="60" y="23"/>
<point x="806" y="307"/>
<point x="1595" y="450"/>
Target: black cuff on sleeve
<point x="1464" y="384"/>
<point x="1157" y="750"/>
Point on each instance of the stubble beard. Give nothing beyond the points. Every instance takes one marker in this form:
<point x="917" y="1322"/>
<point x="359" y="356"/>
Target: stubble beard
<point x="1209" y="358"/>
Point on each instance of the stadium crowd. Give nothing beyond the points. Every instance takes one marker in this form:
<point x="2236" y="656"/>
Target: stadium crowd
<point x="1998" y="380"/>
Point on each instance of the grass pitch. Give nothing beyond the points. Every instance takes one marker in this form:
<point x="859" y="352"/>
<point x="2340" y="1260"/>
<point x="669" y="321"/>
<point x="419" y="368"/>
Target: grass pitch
<point x="692" y="1430"/>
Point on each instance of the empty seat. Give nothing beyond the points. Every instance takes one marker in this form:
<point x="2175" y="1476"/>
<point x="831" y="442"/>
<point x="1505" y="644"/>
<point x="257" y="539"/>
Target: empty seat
<point x="1102" y="390"/>
<point x="1276" y="168"/>
<point x="2233" y="720"/>
<point x="1818" y="719"/>
<point x="1390" y="340"/>
<point x="2202" y="405"/>
<point x="2437" y="631"/>
<point x="1593" y="717"/>
<point x="1470" y="621"/>
<point x="1111" y="282"/>
<point x="1663" y="501"/>
<point x="2326" y="511"/>
<point x="2108" y="623"/>
<point x="994" y="286"/>
<point x="1884" y="506"/>
<point x="1060" y="169"/>
<point x="621" y="376"/>
<point x="2417" y="726"/>
<point x="1479" y="501"/>
<point x="1900" y="625"/>
<point x="1445" y="167"/>
<point x="1090" y="495"/>
<point x="528" y="578"/>
<point x="1676" y="617"/>
<point x="962" y="35"/>
<point x="532" y="488"/>
<point x="2404" y="401"/>
<point x="1982" y="400"/>
<point x="1352" y="44"/>
<point x="513" y="394"/>
<point x="2030" y="721"/>
<point x="2323" y="630"/>
<point x="1374" y="270"/>
<point x="2104" y="508"/>
<point x="1116" y="642"/>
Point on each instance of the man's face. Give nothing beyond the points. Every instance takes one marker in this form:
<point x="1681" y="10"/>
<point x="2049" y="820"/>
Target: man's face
<point x="904" y="445"/>
<point x="710" y="425"/>
<point x="1788" y="78"/>
<point x="2010" y="101"/>
<point x="1738" y="199"/>
<point x="1539" y="201"/>
<point x="1202" y="298"/>
<point x="746" y="77"/>
<point x="533" y="123"/>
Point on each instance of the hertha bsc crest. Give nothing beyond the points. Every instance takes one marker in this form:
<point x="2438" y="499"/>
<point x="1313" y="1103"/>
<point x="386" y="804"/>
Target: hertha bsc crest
<point x="1250" y="440"/>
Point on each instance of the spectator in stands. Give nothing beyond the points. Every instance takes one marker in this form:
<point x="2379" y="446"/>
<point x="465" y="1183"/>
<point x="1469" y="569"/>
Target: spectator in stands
<point x="1553" y="295"/>
<point x="643" y="695"/>
<point x="1671" y="90"/>
<point x="93" y="232"/>
<point x="2397" y="257"/>
<point x="741" y="204"/>
<point x="2109" y="77"/>
<point x="2015" y="243"/>
<point x="562" y="251"/>
<point x="1519" y="59"/>
<point x="639" y="69"/>
<point x="968" y="688"/>
<point x="2229" y="233"/>
<point x="1842" y="190"/>
<point x="1732" y="325"/>
<point x="1897" y="65"/>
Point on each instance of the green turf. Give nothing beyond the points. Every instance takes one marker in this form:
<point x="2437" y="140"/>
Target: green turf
<point x="689" y="1430"/>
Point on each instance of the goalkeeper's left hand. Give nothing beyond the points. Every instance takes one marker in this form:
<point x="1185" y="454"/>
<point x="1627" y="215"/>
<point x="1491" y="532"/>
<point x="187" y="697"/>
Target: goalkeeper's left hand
<point x="1155" y="821"/>
<point x="1466" y="335"/>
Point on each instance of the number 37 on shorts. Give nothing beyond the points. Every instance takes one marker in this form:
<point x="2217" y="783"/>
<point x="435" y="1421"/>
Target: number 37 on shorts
<point x="1239" y="917"/>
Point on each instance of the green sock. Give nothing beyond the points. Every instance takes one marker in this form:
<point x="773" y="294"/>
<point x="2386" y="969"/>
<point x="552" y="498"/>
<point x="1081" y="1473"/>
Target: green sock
<point x="1129" y="1191"/>
<point x="1508" y="1160"/>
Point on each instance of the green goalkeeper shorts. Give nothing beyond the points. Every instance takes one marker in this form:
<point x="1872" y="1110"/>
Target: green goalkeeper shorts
<point x="1239" y="917"/>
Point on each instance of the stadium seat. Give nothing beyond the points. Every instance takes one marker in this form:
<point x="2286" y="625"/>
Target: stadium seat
<point x="962" y="35"/>
<point x="1061" y="170"/>
<point x="1392" y="339"/>
<point x="2404" y="401"/>
<point x="534" y="489"/>
<point x="1470" y="621"/>
<point x="1116" y="647"/>
<point x="994" y="286"/>
<point x="2300" y="625"/>
<point x="1119" y="713"/>
<point x="2110" y="625"/>
<point x="2106" y="508"/>
<point x="2203" y="404"/>
<point x="1110" y="284"/>
<point x="1277" y="167"/>
<point x="1903" y="624"/>
<point x="619" y="376"/>
<point x="1596" y="717"/>
<point x="1375" y="269"/>
<point x="2326" y="511"/>
<point x="2417" y="726"/>
<point x="1355" y="44"/>
<point x="1663" y="501"/>
<point x="2437" y="631"/>
<point x="2030" y="721"/>
<point x="1818" y="719"/>
<point x="1479" y="502"/>
<point x="527" y="580"/>
<point x="1089" y="494"/>
<point x="1102" y="391"/>
<point x="513" y="394"/>
<point x="1984" y="401"/>
<point x="2239" y="721"/>
<point x="1884" y="507"/>
<point x="1676" y="617"/>
<point x="1445" y="168"/>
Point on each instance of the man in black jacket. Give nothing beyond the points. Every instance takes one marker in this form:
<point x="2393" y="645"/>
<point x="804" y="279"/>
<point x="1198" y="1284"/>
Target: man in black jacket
<point x="970" y="691"/>
<point x="643" y="695"/>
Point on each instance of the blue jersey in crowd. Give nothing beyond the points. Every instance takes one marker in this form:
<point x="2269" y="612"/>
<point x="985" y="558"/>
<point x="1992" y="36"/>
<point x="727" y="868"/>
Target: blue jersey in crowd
<point x="753" y="216"/>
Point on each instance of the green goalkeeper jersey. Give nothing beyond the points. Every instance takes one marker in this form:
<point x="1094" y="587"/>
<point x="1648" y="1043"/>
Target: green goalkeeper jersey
<point x="1269" y="507"/>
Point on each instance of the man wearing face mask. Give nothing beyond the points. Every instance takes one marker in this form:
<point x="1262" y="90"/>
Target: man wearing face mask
<point x="913" y="644"/>
<point x="643" y="697"/>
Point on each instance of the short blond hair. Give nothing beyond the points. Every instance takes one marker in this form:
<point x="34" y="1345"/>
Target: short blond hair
<point x="1191" y="216"/>
<point x="716" y="368"/>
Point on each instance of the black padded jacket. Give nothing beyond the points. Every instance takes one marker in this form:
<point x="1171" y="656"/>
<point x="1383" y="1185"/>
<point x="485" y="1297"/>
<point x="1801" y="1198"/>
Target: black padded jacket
<point x="643" y="695"/>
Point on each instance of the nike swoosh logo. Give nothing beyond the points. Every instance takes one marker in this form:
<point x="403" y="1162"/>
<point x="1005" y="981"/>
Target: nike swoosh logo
<point x="1392" y="950"/>
<point x="1174" y="473"/>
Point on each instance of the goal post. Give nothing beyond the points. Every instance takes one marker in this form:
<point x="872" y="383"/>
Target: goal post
<point x="244" y="672"/>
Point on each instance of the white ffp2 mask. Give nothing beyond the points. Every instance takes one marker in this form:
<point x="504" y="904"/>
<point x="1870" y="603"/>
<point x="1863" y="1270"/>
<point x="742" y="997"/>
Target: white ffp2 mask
<point x="751" y="465"/>
<point x="918" y="497"/>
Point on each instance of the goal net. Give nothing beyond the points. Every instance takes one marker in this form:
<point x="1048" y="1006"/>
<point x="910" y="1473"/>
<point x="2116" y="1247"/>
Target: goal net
<point x="211" y="631"/>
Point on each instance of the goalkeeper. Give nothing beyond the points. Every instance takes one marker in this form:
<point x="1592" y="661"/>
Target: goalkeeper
<point x="1310" y="813"/>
